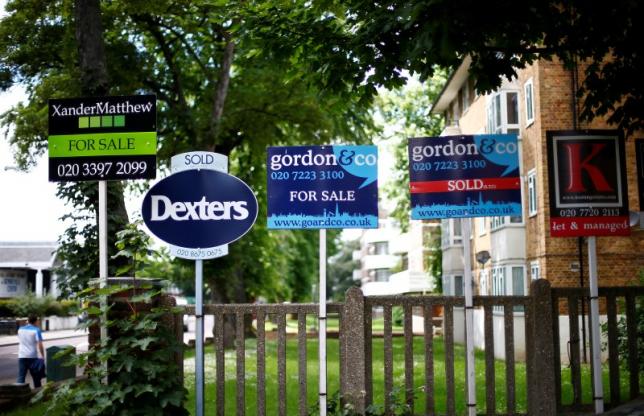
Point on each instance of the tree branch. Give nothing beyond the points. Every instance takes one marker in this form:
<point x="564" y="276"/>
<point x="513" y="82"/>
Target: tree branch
<point x="221" y="91"/>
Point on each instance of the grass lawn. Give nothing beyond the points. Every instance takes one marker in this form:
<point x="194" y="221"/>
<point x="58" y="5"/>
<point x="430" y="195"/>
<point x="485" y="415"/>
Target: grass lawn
<point x="378" y="368"/>
<point x="333" y="376"/>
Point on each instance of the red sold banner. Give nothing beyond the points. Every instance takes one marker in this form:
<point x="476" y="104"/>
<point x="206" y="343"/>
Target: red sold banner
<point x="587" y="183"/>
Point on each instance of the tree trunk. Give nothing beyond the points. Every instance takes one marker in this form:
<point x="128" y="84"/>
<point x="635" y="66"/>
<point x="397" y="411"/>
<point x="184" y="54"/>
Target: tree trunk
<point x="95" y="82"/>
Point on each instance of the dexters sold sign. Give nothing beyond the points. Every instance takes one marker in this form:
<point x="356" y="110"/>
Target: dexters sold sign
<point x="464" y="176"/>
<point x="322" y="187"/>
<point x="198" y="209"/>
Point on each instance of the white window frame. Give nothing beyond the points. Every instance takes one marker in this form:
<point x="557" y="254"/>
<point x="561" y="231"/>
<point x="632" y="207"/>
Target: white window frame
<point x="503" y="281"/>
<point x="482" y="225"/>
<point x="448" y="238"/>
<point x="532" y="193"/>
<point x="484" y="287"/>
<point x="528" y="92"/>
<point x="492" y="116"/>
<point x="455" y="278"/>
<point x="498" y="223"/>
<point x="535" y="270"/>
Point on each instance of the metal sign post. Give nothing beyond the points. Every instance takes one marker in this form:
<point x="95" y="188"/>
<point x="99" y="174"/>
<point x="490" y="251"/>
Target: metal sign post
<point x="469" y="318"/>
<point x="199" y="338"/>
<point x="598" y="388"/>
<point x="320" y="187"/>
<point x="464" y="177"/>
<point x="102" y="258"/>
<point x="186" y="210"/>
<point x="322" y="323"/>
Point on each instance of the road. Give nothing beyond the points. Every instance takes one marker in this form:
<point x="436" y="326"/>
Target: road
<point x="9" y="356"/>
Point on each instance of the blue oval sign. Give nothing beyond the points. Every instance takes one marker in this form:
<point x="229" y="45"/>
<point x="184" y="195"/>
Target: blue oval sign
<point x="199" y="209"/>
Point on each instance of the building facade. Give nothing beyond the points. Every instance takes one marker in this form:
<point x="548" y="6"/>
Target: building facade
<point x="539" y="99"/>
<point x="27" y="267"/>
<point x="392" y="262"/>
<point x="512" y="251"/>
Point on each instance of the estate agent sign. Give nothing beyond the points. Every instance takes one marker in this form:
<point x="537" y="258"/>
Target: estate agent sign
<point x="587" y="180"/>
<point x="319" y="187"/>
<point x="198" y="211"/>
<point x="464" y="176"/>
<point x="102" y="138"/>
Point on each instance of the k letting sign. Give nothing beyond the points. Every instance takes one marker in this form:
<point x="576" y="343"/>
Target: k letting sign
<point x="587" y="181"/>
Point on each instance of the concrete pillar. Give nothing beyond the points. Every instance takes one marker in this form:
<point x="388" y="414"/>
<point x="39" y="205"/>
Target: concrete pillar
<point x="541" y="371"/>
<point x="39" y="284"/>
<point x="353" y="350"/>
<point x="53" y="285"/>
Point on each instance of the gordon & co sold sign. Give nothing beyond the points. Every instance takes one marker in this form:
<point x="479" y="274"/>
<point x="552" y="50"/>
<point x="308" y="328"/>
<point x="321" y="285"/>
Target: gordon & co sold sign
<point x="587" y="180"/>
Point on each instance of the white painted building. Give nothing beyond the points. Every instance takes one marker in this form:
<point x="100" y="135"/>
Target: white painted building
<point x="27" y="266"/>
<point x="392" y="262"/>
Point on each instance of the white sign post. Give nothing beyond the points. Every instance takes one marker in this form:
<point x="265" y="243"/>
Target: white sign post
<point x="322" y="323"/>
<point x="469" y="318"/>
<point x="179" y="163"/>
<point x="199" y="210"/>
<point x="598" y="388"/>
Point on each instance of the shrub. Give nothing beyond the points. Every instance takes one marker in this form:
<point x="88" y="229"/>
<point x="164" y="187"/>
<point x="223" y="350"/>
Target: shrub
<point x="29" y="304"/>
<point x="141" y="372"/>
<point x="6" y="307"/>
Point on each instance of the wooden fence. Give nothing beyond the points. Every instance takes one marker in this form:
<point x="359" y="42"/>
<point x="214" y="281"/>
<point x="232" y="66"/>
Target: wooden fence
<point x="356" y="380"/>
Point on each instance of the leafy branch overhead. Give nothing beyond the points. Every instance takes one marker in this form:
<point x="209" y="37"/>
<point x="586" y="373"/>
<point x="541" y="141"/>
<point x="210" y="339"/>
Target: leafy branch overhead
<point x="372" y="43"/>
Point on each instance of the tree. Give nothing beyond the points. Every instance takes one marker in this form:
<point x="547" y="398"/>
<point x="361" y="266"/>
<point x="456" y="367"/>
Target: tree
<point x="379" y="40"/>
<point x="405" y="113"/>
<point x="220" y="86"/>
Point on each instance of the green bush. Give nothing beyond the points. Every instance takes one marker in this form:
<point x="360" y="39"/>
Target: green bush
<point x="29" y="304"/>
<point x="142" y="376"/>
<point x="6" y="308"/>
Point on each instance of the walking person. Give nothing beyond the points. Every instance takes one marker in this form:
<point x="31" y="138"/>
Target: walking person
<point x="30" y="339"/>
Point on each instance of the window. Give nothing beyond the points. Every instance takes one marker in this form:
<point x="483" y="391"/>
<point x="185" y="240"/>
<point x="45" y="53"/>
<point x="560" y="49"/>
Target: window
<point x="500" y="222"/>
<point x="503" y="113"/>
<point x="529" y="102"/>
<point x="532" y="193"/>
<point x="518" y="285"/>
<point x="456" y="230"/>
<point x="458" y="285"/>
<point x="512" y="107"/>
<point x="447" y="288"/>
<point x="498" y="284"/>
<point x="534" y="270"/>
<point x="483" y="283"/>
<point x="451" y="233"/>
<point x="381" y="247"/>
<point x="482" y="225"/>
<point x="382" y="275"/>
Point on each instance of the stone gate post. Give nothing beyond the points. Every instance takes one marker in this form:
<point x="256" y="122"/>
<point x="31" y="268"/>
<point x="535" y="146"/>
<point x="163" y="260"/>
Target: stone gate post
<point x="352" y="352"/>
<point x="540" y="360"/>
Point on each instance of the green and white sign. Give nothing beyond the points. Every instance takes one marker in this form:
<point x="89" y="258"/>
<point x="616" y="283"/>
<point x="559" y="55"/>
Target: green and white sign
<point x="102" y="138"/>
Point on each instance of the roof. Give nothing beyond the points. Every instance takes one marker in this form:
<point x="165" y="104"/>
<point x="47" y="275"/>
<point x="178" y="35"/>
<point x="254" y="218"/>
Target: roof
<point x="452" y="86"/>
<point x="27" y="254"/>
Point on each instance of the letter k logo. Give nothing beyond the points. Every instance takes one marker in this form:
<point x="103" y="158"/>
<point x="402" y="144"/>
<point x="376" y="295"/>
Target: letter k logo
<point x="576" y="166"/>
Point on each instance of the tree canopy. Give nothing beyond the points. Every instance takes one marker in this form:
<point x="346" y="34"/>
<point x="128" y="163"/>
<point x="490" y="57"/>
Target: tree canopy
<point x="220" y="86"/>
<point x="381" y="40"/>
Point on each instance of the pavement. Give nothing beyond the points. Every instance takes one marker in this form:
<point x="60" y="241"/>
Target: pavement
<point x="632" y="408"/>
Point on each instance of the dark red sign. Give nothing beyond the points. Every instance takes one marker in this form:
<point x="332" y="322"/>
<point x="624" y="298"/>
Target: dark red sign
<point x="587" y="181"/>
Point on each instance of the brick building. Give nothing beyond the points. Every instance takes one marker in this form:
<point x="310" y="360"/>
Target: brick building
<point x="539" y="99"/>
